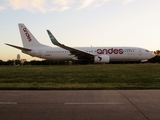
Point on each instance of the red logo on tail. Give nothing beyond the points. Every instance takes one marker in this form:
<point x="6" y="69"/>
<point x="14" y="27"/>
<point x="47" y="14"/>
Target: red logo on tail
<point x="27" y="34"/>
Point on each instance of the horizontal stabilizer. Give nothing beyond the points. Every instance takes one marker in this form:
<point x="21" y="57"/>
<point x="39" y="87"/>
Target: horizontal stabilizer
<point x="21" y="48"/>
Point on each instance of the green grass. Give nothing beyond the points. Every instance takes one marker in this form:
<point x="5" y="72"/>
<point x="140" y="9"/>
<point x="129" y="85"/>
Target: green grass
<point x="108" y="76"/>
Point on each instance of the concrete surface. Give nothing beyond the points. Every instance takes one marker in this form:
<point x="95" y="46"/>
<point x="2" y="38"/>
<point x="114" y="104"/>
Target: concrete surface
<point x="80" y="105"/>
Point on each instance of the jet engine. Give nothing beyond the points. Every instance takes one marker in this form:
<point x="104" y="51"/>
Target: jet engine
<point x="101" y="59"/>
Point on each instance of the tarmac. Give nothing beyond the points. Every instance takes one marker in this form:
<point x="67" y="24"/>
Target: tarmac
<point x="80" y="105"/>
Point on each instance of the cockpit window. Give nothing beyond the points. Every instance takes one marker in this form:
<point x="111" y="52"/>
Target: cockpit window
<point x="147" y="50"/>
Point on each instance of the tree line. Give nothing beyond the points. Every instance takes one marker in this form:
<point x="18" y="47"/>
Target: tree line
<point x="156" y="59"/>
<point x="33" y="62"/>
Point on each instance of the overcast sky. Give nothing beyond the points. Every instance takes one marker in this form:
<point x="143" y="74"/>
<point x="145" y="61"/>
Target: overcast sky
<point x="81" y="23"/>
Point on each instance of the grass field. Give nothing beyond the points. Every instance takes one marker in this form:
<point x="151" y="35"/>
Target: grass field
<point x="108" y="76"/>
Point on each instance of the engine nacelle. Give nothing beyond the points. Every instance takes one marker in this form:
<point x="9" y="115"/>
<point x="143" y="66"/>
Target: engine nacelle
<point x="101" y="59"/>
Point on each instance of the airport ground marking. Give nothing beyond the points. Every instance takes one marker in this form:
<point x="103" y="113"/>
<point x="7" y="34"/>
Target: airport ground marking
<point x="95" y="103"/>
<point x="8" y="103"/>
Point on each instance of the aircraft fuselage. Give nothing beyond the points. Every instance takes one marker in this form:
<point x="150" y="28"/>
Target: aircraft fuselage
<point x="115" y="53"/>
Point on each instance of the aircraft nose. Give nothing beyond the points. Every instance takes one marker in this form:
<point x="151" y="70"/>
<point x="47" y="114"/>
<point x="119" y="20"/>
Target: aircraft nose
<point x="152" y="55"/>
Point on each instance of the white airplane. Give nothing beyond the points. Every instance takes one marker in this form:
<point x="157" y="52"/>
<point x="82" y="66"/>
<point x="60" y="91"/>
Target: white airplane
<point x="89" y="54"/>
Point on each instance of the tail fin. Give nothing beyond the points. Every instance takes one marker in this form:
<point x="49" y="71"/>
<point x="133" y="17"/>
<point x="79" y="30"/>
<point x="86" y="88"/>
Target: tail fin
<point x="28" y="40"/>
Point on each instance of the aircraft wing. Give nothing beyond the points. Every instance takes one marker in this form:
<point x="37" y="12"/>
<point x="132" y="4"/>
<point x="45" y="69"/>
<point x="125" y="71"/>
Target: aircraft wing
<point x="74" y="51"/>
<point x="21" y="48"/>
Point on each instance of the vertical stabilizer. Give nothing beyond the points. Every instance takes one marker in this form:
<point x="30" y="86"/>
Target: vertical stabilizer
<point x="28" y="40"/>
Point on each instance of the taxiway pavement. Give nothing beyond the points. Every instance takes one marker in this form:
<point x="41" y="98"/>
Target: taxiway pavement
<point x="80" y="105"/>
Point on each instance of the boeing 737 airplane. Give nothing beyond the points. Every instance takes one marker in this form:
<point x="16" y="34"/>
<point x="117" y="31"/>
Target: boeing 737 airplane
<point x="89" y="54"/>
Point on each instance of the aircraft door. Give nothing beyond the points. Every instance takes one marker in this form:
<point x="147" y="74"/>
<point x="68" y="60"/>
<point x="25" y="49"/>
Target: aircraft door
<point x="131" y="55"/>
<point x="140" y="52"/>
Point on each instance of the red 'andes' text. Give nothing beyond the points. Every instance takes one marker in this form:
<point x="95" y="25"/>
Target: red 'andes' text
<point x="110" y="51"/>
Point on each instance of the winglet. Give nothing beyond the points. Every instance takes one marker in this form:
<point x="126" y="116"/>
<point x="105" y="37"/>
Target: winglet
<point x="53" y="39"/>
